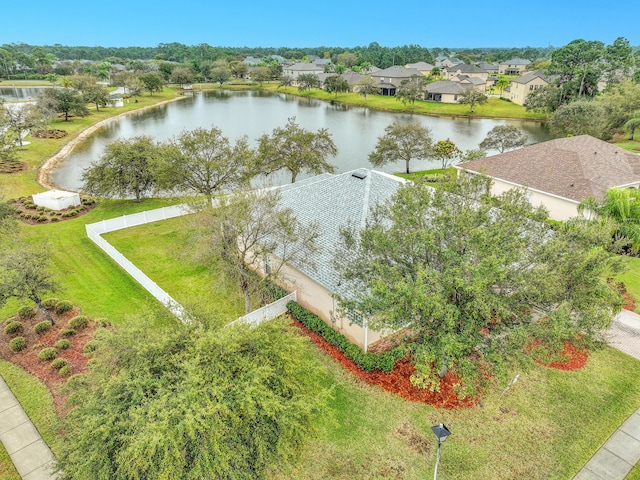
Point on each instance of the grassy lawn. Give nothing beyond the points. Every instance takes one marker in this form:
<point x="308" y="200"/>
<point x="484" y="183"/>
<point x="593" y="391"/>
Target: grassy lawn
<point x="631" y="279"/>
<point x="631" y="145"/>
<point x="436" y="173"/>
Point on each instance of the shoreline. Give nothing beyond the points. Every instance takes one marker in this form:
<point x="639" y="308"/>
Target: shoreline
<point x="49" y="164"/>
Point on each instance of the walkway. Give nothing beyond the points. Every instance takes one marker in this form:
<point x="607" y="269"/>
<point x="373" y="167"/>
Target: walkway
<point x="29" y="453"/>
<point x="615" y="459"/>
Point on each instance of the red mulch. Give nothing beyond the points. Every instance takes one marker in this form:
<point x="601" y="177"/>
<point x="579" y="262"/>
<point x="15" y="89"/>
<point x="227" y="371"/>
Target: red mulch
<point x="628" y="302"/>
<point x="28" y="358"/>
<point x="398" y="380"/>
<point x="82" y="209"/>
<point x="571" y="358"/>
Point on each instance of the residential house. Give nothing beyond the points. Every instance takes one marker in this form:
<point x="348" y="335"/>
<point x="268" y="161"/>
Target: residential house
<point x="472" y="82"/>
<point x="561" y="173"/>
<point x="447" y="62"/>
<point x="333" y="202"/>
<point x="445" y="91"/>
<point x="490" y="68"/>
<point x="463" y="69"/>
<point x="389" y="79"/>
<point x="513" y="66"/>
<point x="522" y="86"/>
<point x="252" y="61"/>
<point x="424" y="67"/>
<point x="297" y="69"/>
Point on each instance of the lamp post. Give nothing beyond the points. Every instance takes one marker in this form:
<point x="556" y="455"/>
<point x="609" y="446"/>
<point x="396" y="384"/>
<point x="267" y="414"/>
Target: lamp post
<point x="441" y="432"/>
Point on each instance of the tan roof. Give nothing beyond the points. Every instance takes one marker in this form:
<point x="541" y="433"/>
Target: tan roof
<point x="572" y="167"/>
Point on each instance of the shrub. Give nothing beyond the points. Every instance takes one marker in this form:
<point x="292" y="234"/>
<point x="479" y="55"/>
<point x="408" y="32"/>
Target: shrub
<point x="48" y="353"/>
<point x="12" y="327"/>
<point x="42" y="218"/>
<point x="55" y="219"/>
<point x="40" y="208"/>
<point x="50" y="303"/>
<point x="90" y="347"/>
<point x="62" y="344"/>
<point x="67" y="332"/>
<point x="63" y="306"/>
<point x="26" y="313"/>
<point x="58" y="363"/>
<point x="64" y="371"/>
<point x="17" y="344"/>
<point x="78" y="323"/>
<point x="42" y="327"/>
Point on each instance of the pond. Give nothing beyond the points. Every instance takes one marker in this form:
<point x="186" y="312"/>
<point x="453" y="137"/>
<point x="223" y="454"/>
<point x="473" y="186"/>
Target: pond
<point x="254" y="113"/>
<point x="15" y="94"/>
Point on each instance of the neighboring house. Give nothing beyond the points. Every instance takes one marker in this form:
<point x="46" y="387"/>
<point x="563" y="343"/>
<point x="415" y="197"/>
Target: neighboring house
<point x="252" y="61"/>
<point x="297" y="69"/>
<point x="424" y="67"/>
<point x="464" y="69"/>
<point x="561" y="173"/>
<point x="352" y="78"/>
<point x="322" y="62"/>
<point x="333" y="202"/>
<point x="522" y="86"/>
<point x="471" y="82"/>
<point x="445" y="91"/>
<point x="389" y="79"/>
<point x="514" y="66"/>
<point x="490" y="68"/>
<point x="447" y="62"/>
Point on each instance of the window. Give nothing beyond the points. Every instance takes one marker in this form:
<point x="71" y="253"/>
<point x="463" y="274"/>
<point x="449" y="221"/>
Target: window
<point x="530" y="87"/>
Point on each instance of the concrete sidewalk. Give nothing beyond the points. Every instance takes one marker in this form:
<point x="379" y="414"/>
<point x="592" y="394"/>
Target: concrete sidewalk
<point x="29" y="453"/>
<point x="615" y="459"/>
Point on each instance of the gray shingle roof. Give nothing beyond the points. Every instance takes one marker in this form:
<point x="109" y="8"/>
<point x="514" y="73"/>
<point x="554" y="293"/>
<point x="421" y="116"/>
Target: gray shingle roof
<point x="332" y="202"/>
<point x="305" y="67"/>
<point x="464" y="68"/>
<point x="572" y="167"/>
<point x="420" y="66"/>
<point x="397" y="72"/>
<point x="446" y="86"/>
<point x="527" y="77"/>
<point x="515" y="61"/>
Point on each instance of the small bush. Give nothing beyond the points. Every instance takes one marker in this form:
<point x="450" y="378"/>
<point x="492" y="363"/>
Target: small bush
<point x="48" y="353"/>
<point x="90" y="347"/>
<point x="17" y="344"/>
<point x="63" y="306"/>
<point x="59" y="363"/>
<point x="12" y="327"/>
<point x="78" y="323"/>
<point x="26" y="313"/>
<point x="67" y="332"/>
<point x="62" y="344"/>
<point x="42" y="218"/>
<point x="64" y="371"/>
<point x="50" y="303"/>
<point x="42" y="327"/>
<point x="55" y="219"/>
<point x="103" y="322"/>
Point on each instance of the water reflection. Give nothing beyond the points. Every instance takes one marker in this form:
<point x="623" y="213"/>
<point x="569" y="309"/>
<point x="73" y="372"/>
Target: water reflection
<point x="254" y="113"/>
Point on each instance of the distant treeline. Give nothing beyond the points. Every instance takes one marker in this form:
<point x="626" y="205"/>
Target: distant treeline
<point x="177" y="52"/>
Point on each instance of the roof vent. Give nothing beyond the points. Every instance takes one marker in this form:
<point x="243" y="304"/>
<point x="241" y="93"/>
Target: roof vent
<point x="359" y="174"/>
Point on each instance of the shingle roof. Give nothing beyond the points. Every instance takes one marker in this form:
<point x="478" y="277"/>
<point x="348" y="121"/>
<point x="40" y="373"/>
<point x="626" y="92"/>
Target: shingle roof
<point x="515" y="61"/>
<point x="464" y="68"/>
<point x="305" y="67"/>
<point x="397" y="72"/>
<point x="527" y="77"/>
<point x="473" y="80"/>
<point x="333" y="202"/>
<point x="420" y="66"/>
<point x="446" y="86"/>
<point x="572" y="167"/>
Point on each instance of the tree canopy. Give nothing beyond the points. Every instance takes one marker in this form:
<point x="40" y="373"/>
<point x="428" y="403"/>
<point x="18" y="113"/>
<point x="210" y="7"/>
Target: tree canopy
<point x="476" y="284"/>
<point x="402" y="142"/>
<point x="411" y="89"/>
<point x="504" y="137"/>
<point x="472" y="97"/>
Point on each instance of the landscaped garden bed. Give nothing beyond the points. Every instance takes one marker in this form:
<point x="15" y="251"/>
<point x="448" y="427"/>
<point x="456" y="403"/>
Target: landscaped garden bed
<point x="28" y="212"/>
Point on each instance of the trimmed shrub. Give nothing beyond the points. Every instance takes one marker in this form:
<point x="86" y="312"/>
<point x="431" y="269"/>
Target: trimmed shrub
<point x="42" y="218"/>
<point x="48" y="353"/>
<point x="67" y="332"/>
<point x="12" y="327"/>
<point x="50" y="303"/>
<point x="42" y="327"/>
<point x="63" y="306"/>
<point x="58" y="363"/>
<point x="90" y="347"/>
<point x="54" y="219"/>
<point x="64" y="371"/>
<point x="78" y="323"/>
<point x="62" y="344"/>
<point x="26" y="313"/>
<point x="17" y="344"/>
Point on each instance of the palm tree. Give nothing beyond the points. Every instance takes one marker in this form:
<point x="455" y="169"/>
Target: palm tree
<point x="621" y="210"/>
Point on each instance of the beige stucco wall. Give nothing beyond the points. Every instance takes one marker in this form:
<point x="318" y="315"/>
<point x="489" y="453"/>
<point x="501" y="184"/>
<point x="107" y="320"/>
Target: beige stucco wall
<point x="519" y="91"/>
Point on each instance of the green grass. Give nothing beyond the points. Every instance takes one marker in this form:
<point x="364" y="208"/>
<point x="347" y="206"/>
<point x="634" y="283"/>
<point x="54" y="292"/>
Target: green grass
<point x="494" y="108"/>
<point x="631" y="278"/>
<point x="176" y="270"/>
<point x="37" y="403"/>
<point x="631" y="145"/>
<point x="546" y="427"/>
<point x="421" y="174"/>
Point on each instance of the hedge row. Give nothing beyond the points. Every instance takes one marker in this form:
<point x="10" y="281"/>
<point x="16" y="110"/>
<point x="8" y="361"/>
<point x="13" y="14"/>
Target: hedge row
<point x="368" y="361"/>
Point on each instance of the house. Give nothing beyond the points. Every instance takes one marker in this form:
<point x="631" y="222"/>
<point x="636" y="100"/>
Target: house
<point x="424" y="67"/>
<point x="463" y="69"/>
<point x="297" y="69"/>
<point x="352" y="77"/>
<point x="447" y="62"/>
<point x="561" y="173"/>
<point x="490" y="68"/>
<point x="389" y="79"/>
<point x="522" y="86"/>
<point x="514" y="66"/>
<point x="333" y="202"/>
<point x="445" y="91"/>
<point x="470" y="82"/>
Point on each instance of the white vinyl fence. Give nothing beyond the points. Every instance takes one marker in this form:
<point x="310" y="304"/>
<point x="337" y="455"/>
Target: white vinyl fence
<point x="95" y="230"/>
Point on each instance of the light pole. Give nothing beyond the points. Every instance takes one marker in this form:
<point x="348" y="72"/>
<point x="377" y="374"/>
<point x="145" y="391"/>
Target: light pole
<point x="441" y="432"/>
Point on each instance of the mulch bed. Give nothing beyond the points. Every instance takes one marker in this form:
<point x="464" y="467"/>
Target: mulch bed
<point x="398" y="380"/>
<point x="25" y="214"/>
<point x="52" y="133"/>
<point x="572" y="359"/>
<point x="28" y="358"/>
<point x="12" y="167"/>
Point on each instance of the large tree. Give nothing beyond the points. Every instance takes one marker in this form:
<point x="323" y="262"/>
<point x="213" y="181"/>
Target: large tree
<point x="296" y="150"/>
<point x="251" y="231"/>
<point x="307" y="81"/>
<point x="504" y="137"/>
<point x="205" y="162"/>
<point x="191" y="403"/>
<point x="475" y="283"/>
<point x="127" y="167"/>
<point x="152" y="81"/>
<point x="96" y="94"/>
<point x="19" y="119"/>
<point x="580" y="117"/>
<point x="412" y="89"/>
<point x="402" y="142"/>
<point x="367" y="86"/>
<point x="579" y="66"/>
<point x="446" y="151"/>
<point x="336" y="84"/>
<point x="472" y="97"/>
<point x="182" y="76"/>
<point x="67" y="101"/>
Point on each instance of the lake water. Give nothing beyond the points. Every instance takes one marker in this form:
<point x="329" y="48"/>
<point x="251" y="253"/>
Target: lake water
<point x="253" y="113"/>
<point x="14" y="94"/>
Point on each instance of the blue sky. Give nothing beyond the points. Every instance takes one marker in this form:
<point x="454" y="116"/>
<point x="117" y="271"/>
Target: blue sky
<point x="344" y="23"/>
